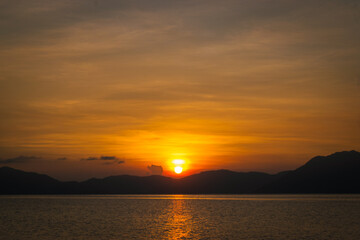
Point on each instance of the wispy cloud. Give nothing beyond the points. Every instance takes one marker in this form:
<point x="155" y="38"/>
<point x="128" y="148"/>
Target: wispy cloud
<point x="19" y="159"/>
<point x="90" y="158"/>
<point x="105" y="159"/>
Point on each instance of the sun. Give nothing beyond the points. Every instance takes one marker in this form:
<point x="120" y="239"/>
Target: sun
<point x="178" y="169"/>
<point x="178" y="165"/>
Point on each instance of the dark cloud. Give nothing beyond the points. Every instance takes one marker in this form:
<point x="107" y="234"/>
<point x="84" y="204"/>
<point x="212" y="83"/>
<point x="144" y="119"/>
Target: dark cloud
<point x="114" y="162"/>
<point x="19" y="159"/>
<point x="62" y="159"/>
<point x="107" y="159"/>
<point x="155" y="170"/>
<point x="111" y="160"/>
<point x="90" y="158"/>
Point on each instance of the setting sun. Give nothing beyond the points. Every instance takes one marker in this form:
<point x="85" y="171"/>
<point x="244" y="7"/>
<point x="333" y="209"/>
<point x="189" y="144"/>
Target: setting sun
<point x="179" y="165"/>
<point x="178" y="169"/>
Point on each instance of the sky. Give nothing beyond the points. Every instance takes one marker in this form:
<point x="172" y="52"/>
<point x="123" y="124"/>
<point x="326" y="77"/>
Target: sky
<point x="99" y="88"/>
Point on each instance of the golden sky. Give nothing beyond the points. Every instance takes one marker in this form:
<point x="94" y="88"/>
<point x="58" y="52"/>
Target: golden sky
<point x="97" y="88"/>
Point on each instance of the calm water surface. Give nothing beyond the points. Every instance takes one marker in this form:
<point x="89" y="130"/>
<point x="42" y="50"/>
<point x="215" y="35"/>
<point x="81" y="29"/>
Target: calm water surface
<point x="180" y="217"/>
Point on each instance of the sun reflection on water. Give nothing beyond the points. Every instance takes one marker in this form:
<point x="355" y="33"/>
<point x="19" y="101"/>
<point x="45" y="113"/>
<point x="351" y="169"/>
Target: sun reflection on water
<point x="179" y="220"/>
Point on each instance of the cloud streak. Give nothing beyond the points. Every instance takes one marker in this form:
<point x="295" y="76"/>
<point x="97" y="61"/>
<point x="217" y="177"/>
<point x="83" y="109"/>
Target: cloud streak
<point x="19" y="159"/>
<point x="106" y="159"/>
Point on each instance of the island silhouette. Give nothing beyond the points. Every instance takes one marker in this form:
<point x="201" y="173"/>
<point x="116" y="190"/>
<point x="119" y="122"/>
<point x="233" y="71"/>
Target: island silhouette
<point x="336" y="173"/>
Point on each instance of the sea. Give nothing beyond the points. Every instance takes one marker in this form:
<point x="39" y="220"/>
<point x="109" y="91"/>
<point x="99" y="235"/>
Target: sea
<point x="247" y="217"/>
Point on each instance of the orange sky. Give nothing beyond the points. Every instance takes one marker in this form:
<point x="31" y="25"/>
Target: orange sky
<point x="242" y="85"/>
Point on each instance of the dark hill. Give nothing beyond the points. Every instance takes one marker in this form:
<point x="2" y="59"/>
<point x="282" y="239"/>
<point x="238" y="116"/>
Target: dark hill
<point x="224" y="181"/>
<point x="336" y="173"/>
<point x="14" y="181"/>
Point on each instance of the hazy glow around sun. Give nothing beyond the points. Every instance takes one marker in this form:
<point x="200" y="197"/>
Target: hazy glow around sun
<point x="178" y="161"/>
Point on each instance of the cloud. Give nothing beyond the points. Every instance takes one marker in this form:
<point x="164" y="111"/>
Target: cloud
<point x="62" y="159"/>
<point x="107" y="159"/>
<point x="155" y="170"/>
<point x="90" y="158"/>
<point x="19" y="159"/>
<point x="114" y="162"/>
<point x="111" y="160"/>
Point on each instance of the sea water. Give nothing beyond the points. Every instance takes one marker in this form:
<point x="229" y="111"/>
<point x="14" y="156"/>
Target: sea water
<point x="180" y="217"/>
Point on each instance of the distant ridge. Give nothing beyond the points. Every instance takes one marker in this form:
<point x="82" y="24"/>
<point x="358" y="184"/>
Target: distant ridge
<point x="13" y="181"/>
<point x="336" y="173"/>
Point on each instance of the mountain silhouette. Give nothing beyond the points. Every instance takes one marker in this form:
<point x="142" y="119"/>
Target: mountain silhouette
<point x="224" y="181"/>
<point x="13" y="181"/>
<point x="336" y="173"/>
